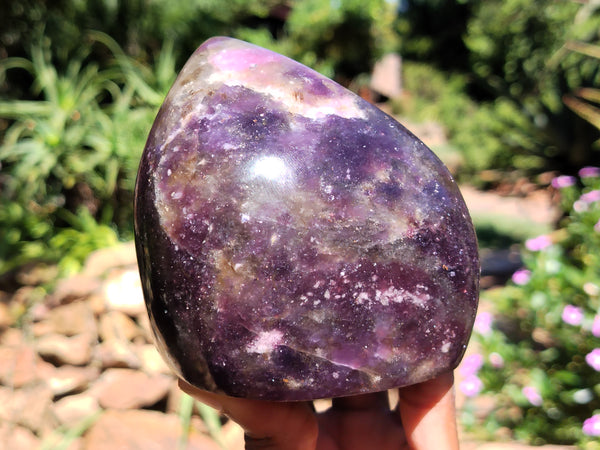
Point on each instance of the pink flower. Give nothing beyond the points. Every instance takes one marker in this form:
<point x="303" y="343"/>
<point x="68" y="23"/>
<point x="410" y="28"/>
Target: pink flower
<point x="590" y="197"/>
<point x="593" y="359"/>
<point x="596" y="326"/>
<point x="597" y="227"/>
<point x="532" y="395"/>
<point x="521" y="277"/>
<point x="483" y="323"/>
<point x="471" y="385"/>
<point x="538" y="243"/>
<point x="471" y="364"/>
<point x="590" y="171"/>
<point x="496" y="360"/>
<point x="580" y="206"/>
<point x="573" y="315"/>
<point x="591" y="426"/>
<point x="563" y="181"/>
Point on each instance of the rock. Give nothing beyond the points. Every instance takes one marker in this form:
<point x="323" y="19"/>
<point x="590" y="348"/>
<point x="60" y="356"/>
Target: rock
<point x="21" y="299"/>
<point x="6" y="318"/>
<point x="294" y="241"/>
<point x="74" y="288"/>
<point x="12" y="337"/>
<point x="58" y="349"/>
<point x="70" y="319"/>
<point x="57" y="439"/>
<point x="102" y="261"/>
<point x="129" y="389"/>
<point x="517" y="446"/>
<point x="116" y="354"/>
<point x="386" y="78"/>
<point x="35" y="274"/>
<point x="72" y="409"/>
<point x="148" y="430"/>
<point x="144" y="323"/>
<point x="118" y="326"/>
<point x="123" y="292"/>
<point x="17" y="437"/>
<point x="20" y="365"/>
<point x="30" y="407"/>
<point x="97" y="303"/>
<point x="68" y="379"/>
<point x="151" y="361"/>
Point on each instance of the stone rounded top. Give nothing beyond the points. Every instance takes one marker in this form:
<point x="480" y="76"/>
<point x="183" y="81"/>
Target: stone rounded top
<point x="294" y="241"/>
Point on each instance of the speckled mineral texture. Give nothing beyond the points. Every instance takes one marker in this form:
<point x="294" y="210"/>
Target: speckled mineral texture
<point x="295" y="242"/>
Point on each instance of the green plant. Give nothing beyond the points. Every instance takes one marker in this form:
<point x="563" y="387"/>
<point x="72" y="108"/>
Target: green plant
<point x="341" y="39"/>
<point x="69" y="157"/>
<point x="540" y="348"/>
<point x="514" y="69"/>
<point x="63" y="437"/>
<point x="584" y="100"/>
<point x="485" y="134"/>
<point x="518" y="57"/>
<point x="209" y="416"/>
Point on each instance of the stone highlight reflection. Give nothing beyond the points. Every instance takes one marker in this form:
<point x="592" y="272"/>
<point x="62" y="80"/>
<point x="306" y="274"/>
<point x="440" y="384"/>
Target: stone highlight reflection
<point x="294" y="241"/>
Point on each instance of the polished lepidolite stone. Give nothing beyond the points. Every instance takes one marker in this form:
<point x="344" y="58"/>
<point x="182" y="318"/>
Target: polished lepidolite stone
<point x="294" y="241"/>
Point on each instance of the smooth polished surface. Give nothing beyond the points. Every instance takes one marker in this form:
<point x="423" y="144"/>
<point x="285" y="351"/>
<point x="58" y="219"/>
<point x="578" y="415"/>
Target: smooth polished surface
<point x="295" y="242"/>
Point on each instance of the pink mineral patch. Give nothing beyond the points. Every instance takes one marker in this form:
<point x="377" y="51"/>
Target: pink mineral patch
<point x="238" y="60"/>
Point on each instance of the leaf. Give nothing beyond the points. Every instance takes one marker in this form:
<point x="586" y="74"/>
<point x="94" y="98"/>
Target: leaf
<point x="21" y="109"/>
<point x="583" y="109"/>
<point x="584" y="48"/>
<point x="212" y="421"/>
<point x="590" y="94"/>
<point x="567" y="377"/>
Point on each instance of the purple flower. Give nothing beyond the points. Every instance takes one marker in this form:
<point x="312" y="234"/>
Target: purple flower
<point x="591" y="426"/>
<point x="471" y="364"/>
<point x="596" y="326"/>
<point x="471" y="385"/>
<point x="563" y="181"/>
<point x="573" y="315"/>
<point x="590" y="171"/>
<point x="496" y="360"/>
<point x="590" y="197"/>
<point x="597" y="227"/>
<point x="483" y="323"/>
<point x="532" y="395"/>
<point x="593" y="359"/>
<point x="521" y="277"/>
<point x="538" y="243"/>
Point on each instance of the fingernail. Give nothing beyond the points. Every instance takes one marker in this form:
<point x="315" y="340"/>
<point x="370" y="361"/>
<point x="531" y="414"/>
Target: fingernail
<point x="208" y="398"/>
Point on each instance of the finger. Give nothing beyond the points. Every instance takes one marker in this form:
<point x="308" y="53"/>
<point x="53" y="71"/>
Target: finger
<point x="268" y="425"/>
<point x="374" y="401"/>
<point x="428" y="414"/>
<point x="361" y="421"/>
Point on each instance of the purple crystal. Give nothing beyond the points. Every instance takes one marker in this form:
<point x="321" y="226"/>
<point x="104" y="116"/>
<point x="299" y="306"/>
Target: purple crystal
<point x="294" y="241"/>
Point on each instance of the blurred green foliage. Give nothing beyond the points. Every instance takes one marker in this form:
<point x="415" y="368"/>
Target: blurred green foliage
<point x="69" y="157"/>
<point x="513" y="60"/>
<point x="517" y="53"/>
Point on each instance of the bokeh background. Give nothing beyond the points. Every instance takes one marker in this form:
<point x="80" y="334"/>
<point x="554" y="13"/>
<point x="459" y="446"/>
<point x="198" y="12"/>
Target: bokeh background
<point x="506" y="92"/>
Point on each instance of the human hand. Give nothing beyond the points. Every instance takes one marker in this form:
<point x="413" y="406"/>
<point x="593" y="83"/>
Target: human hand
<point x="424" y="419"/>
